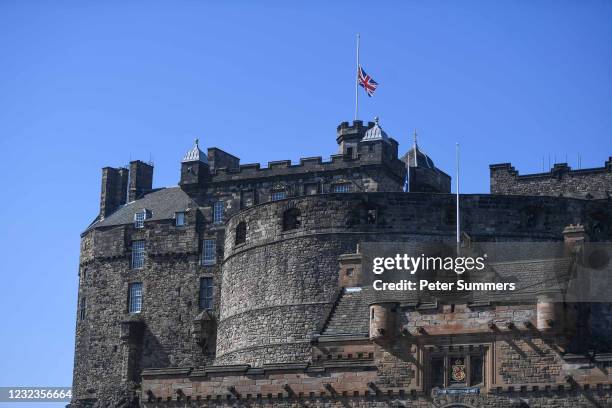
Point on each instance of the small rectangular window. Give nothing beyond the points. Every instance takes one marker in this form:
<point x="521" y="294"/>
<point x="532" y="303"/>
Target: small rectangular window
<point x="209" y="256"/>
<point x="179" y="218"/>
<point x="278" y="195"/>
<point x="83" y="308"/>
<point x="139" y="219"/>
<point x="218" y="212"/>
<point x="341" y="188"/>
<point x="206" y="294"/>
<point x="138" y="254"/>
<point x="135" y="297"/>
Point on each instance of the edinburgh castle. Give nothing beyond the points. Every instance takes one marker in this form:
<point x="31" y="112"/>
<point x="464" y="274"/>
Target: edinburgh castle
<point x="247" y="285"/>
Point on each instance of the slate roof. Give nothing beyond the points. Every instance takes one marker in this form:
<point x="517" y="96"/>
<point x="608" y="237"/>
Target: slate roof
<point x="195" y="154"/>
<point x="161" y="203"/>
<point x="375" y="133"/>
<point x="422" y="159"/>
<point x="350" y="316"/>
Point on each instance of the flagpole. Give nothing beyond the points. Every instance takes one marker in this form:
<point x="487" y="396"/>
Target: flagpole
<point x="457" y="188"/>
<point x="357" y="82"/>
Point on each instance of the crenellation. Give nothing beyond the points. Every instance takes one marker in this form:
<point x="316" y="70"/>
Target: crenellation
<point x="560" y="180"/>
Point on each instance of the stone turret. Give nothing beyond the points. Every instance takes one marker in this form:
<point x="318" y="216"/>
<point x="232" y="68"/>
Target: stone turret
<point x="350" y="135"/>
<point x="382" y="322"/>
<point x="195" y="170"/>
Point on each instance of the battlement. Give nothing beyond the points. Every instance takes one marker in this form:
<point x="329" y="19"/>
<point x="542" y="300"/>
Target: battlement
<point x="560" y="180"/>
<point x="344" y="128"/>
<point x="362" y="156"/>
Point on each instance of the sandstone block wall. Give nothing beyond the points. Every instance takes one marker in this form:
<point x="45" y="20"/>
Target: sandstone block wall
<point x="561" y="180"/>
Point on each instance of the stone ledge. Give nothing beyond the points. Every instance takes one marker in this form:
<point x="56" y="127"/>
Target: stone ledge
<point x="550" y="387"/>
<point x="285" y="366"/>
<point x="266" y="369"/>
<point x="169" y="371"/>
<point x="233" y="369"/>
<point x="333" y="338"/>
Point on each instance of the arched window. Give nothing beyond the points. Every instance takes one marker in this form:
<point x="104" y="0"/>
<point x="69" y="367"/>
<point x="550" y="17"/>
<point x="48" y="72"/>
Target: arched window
<point x="292" y="219"/>
<point x="241" y="233"/>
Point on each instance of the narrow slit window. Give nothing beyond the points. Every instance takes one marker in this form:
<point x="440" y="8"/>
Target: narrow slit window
<point x="83" y="308"/>
<point x="206" y="293"/>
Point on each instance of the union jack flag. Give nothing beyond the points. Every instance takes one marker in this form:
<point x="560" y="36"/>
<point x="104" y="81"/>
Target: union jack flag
<point x="367" y="82"/>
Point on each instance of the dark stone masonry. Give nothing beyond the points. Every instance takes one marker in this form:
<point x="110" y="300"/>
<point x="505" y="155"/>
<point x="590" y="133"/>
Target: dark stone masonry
<point x="244" y="286"/>
<point x="560" y="181"/>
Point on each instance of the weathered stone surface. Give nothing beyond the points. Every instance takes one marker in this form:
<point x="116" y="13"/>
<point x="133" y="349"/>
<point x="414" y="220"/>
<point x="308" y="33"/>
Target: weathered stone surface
<point x="561" y="180"/>
<point x="274" y="336"/>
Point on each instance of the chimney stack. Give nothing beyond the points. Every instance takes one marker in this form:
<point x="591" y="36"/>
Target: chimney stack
<point x="141" y="179"/>
<point x="114" y="189"/>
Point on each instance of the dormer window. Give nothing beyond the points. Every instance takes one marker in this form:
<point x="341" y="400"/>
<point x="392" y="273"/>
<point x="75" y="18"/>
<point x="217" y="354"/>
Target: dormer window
<point x="179" y="219"/>
<point x="341" y="188"/>
<point x="140" y="217"/>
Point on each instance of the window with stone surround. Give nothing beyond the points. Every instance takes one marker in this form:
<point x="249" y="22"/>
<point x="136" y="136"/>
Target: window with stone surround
<point x="341" y="188"/>
<point x="456" y="368"/>
<point x="278" y="195"/>
<point x="135" y="297"/>
<point x="83" y="308"/>
<point x="206" y="293"/>
<point x="218" y="212"/>
<point x="138" y="254"/>
<point x="179" y="218"/>
<point x="209" y="256"/>
<point x="139" y="219"/>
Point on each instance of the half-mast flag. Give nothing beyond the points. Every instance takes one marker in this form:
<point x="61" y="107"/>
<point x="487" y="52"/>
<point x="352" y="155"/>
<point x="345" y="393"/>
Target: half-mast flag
<point x="367" y="82"/>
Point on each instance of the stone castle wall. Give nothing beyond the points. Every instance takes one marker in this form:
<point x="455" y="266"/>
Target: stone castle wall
<point x="278" y="286"/>
<point x="273" y="292"/>
<point x="561" y="180"/>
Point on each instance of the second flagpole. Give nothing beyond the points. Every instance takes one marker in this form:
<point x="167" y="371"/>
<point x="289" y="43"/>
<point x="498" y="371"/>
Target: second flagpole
<point x="458" y="215"/>
<point x="357" y="82"/>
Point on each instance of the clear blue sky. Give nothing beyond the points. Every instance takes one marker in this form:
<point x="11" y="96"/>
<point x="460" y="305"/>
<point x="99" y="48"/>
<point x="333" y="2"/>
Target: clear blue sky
<point x="87" y="84"/>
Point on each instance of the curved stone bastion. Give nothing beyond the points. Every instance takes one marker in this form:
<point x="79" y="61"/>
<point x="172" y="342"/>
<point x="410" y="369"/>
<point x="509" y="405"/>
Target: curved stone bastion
<point x="280" y="269"/>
